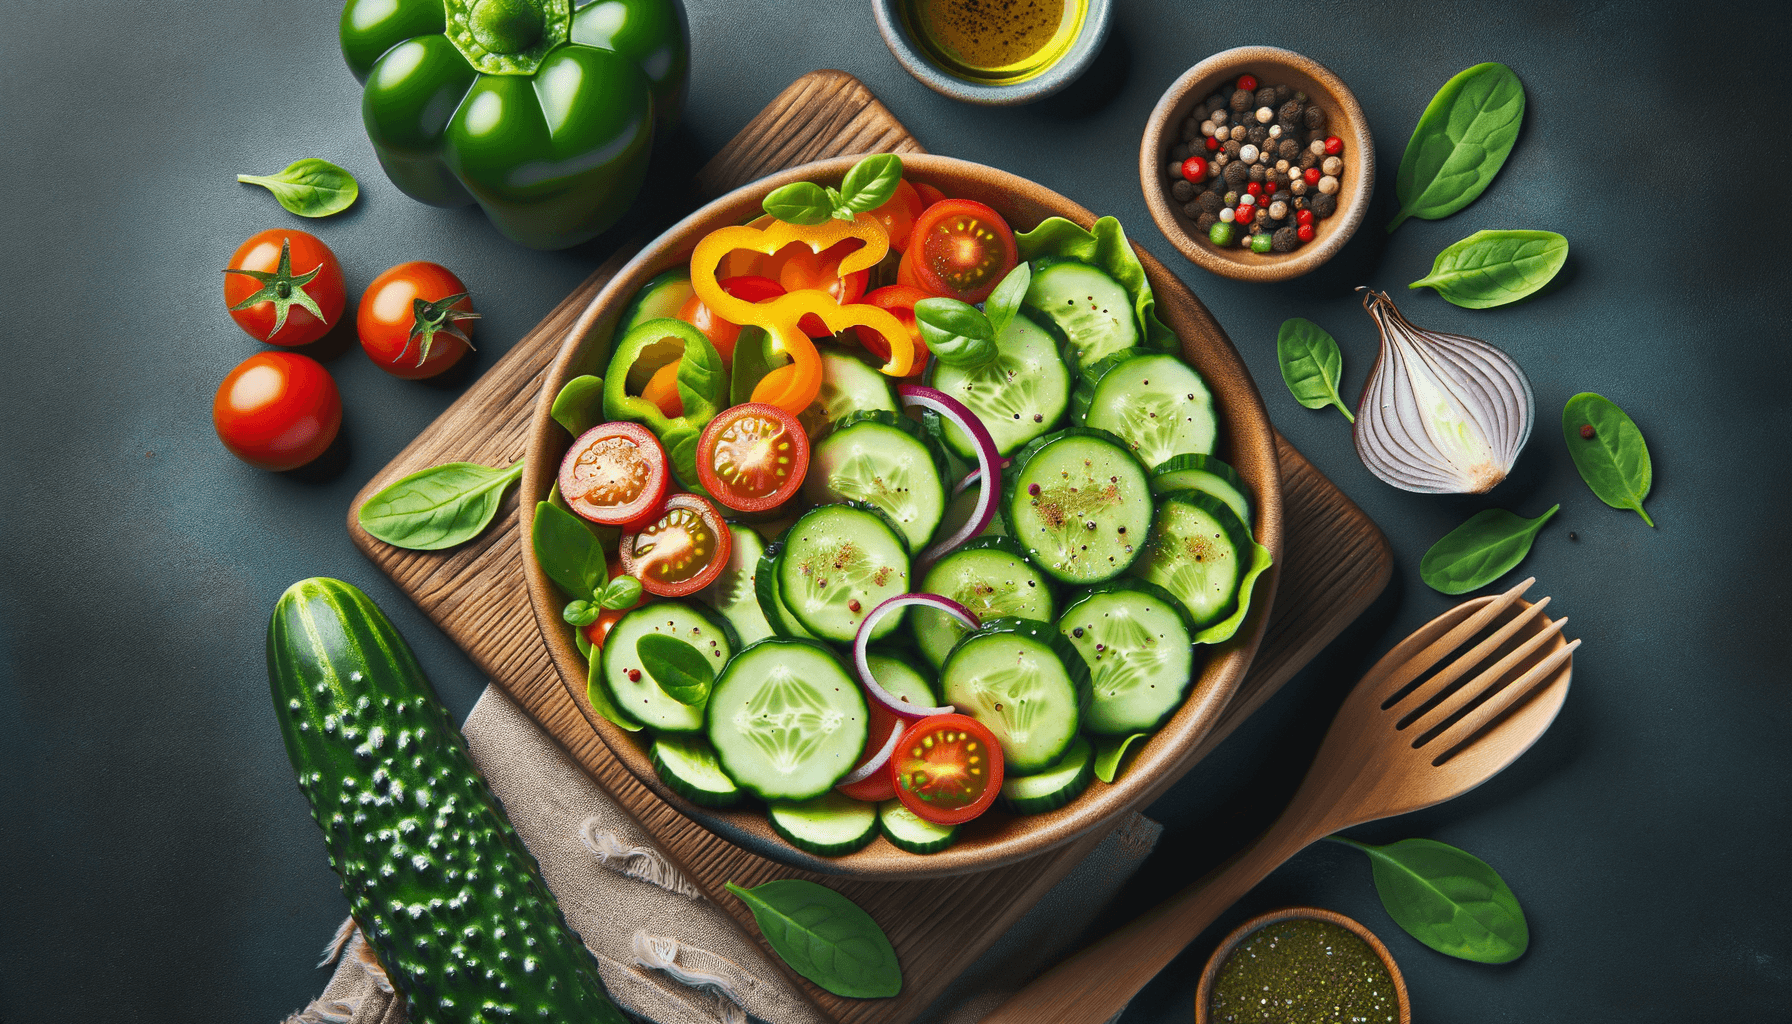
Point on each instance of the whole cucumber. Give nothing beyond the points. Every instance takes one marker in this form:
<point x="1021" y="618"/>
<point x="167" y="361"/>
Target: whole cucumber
<point x="448" y="896"/>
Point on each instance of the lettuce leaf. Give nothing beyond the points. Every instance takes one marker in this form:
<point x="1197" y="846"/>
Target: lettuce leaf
<point x="1105" y="248"/>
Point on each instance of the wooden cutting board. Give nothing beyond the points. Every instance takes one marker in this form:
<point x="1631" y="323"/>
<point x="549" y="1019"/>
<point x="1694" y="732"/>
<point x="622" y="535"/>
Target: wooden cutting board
<point x="1335" y="562"/>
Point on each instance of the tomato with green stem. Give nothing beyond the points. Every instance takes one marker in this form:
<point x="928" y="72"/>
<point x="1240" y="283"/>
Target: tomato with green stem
<point x="961" y="249"/>
<point x="948" y="768"/>
<point x="284" y="287"/>
<point x="752" y="458"/>
<point x="681" y="551"/>
<point x="277" y="410"/>
<point x="414" y="320"/>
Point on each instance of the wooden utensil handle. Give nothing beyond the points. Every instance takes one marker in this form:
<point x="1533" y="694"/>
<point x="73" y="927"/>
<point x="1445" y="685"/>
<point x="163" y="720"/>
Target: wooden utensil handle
<point x="1097" y="983"/>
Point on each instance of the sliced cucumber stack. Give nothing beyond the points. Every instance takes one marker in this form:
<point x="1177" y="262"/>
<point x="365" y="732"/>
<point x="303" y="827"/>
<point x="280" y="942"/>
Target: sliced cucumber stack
<point x="1025" y="683"/>
<point x="1054" y="787"/>
<point x="1135" y="638"/>
<point x="634" y="689"/>
<point x="901" y="679"/>
<point x="786" y="719"/>
<point x="1203" y="473"/>
<point x="849" y="385"/>
<point x="830" y="825"/>
<point x="1021" y="394"/>
<point x="838" y="563"/>
<point x="990" y="576"/>
<point x="1079" y="503"/>
<point x="771" y="599"/>
<point x="884" y="459"/>
<point x="907" y="830"/>
<point x="1198" y="552"/>
<point x="1157" y="404"/>
<point x="1091" y="310"/>
<point x="734" y="595"/>
<point x="688" y="767"/>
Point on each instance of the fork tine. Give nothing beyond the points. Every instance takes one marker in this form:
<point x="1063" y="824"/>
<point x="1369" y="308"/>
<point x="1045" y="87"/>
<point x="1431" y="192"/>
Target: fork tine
<point x="1451" y="740"/>
<point x="1430" y="689"/>
<point x="1443" y="645"/>
<point x="1483" y="683"/>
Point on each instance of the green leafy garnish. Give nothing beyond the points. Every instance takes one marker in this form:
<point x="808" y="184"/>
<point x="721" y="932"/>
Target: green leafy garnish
<point x="801" y="202"/>
<point x="824" y="937"/>
<point x="1448" y="899"/>
<point x="1492" y="268"/>
<point x="579" y="405"/>
<point x="1110" y="751"/>
<point x="568" y="553"/>
<point x="282" y="289"/>
<point x="1311" y="365"/>
<point x="1004" y="302"/>
<point x="1614" y="459"/>
<point x="676" y="667"/>
<point x="957" y="333"/>
<point x="869" y="185"/>
<point x="309" y="187"/>
<point x="1480" y="550"/>
<point x="581" y="613"/>
<point x="1460" y="142"/>
<point x="438" y="507"/>
<point x="622" y="592"/>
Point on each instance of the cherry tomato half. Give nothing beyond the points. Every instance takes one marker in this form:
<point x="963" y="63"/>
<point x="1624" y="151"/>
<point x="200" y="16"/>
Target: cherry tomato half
<point x="407" y="325"/>
<point x="898" y="214"/>
<point x="879" y="785"/>
<point x="680" y="552"/>
<point x="277" y="279"/>
<point x="900" y="300"/>
<point x="752" y="457"/>
<point x="599" y="630"/>
<point x="615" y="474"/>
<point x="277" y="410"/>
<point x="961" y="249"/>
<point x="948" y="768"/>
<point x="929" y="195"/>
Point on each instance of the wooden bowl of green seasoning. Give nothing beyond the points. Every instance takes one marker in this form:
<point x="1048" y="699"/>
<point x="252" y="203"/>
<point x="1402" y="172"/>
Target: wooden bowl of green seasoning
<point x="1301" y="965"/>
<point x="1187" y="96"/>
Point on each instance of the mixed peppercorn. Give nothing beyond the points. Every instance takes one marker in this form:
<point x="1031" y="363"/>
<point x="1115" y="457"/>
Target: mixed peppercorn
<point x="1256" y="168"/>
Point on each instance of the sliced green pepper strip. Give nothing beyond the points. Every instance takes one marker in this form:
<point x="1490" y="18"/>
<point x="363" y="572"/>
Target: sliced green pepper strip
<point x="702" y="387"/>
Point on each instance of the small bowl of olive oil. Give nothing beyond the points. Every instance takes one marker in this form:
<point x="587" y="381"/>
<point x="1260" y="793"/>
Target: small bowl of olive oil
<point x="994" y="52"/>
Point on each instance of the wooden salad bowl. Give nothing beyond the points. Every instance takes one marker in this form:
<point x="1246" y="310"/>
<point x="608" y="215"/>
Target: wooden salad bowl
<point x="1247" y="442"/>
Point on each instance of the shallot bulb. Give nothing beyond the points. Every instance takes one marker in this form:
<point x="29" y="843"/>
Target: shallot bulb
<point x="1443" y="414"/>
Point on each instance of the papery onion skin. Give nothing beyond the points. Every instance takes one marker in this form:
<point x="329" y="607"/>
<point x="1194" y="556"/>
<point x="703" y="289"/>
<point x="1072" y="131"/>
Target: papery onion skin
<point x="1442" y="413"/>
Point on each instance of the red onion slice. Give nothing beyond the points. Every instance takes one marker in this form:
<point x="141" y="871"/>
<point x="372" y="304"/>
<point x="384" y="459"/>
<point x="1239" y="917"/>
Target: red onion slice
<point x="897" y="706"/>
<point x="871" y="767"/>
<point x="989" y="462"/>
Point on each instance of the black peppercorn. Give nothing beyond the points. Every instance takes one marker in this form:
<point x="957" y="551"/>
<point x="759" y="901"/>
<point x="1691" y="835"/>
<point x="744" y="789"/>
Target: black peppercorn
<point x="1308" y="159"/>
<point x="1315" y="118"/>
<point x="1191" y="130"/>
<point x="1283" y="93"/>
<point x="1241" y="101"/>
<point x="1179" y="151"/>
<point x="1236" y="174"/>
<point x="1206" y="221"/>
<point x="1232" y="148"/>
<point x="1192" y="210"/>
<point x="1289" y="113"/>
<point x="1211" y="202"/>
<point x="1288" y="149"/>
<point x="1215" y="102"/>
<point x="1258" y="173"/>
<point x="1183" y="191"/>
<point x="1323" y="205"/>
<point x="1256" y="135"/>
<point x="1266" y="97"/>
<point x="1284" y="240"/>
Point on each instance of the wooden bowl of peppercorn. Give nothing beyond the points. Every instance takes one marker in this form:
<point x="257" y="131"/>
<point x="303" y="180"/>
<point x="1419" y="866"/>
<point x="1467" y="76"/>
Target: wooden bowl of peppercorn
<point x="1313" y="125"/>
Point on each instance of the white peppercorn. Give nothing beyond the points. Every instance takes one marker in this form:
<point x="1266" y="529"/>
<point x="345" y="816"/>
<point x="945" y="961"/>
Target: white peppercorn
<point x="1219" y="117"/>
<point x="1278" y="209"/>
<point x="1238" y="136"/>
<point x="1282" y="165"/>
<point x="1332" y="166"/>
<point x="1265" y="115"/>
<point x="1328" y="184"/>
<point x="1316" y="147"/>
<point x="1298" y="186"/>
<point x="1175" y="171"/>
<point x="1275" y="131"/>
<point x="1248" y="153"/>
<point x="1207" y="128"/>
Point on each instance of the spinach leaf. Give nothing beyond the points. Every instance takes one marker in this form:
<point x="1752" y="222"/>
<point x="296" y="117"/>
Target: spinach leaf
<point x="1311" y="364"/>
<point x="579" y="405"/>
<point x="824" y="937"/>
<point x="309" y="187"/>
<point x="701" y="384"/>
<point x="1110" y="751"/>
<point x="1614" y="460"/>
<point x="1480" y="550"/>
<point x="676" y="667"/>
<point x="568" y="552"/>
<point x="871" y="182"/>
<point x="438" y="507"/>
<point x="1223" y="630"/>
<point x="957" y="333"/>
<point x="597" y="692"/>
<point x="752" y="361"/>
<point x="622" y="593"/>
<point x="800" y="202"/>
<point x="1460" y="142"/>
<point x="1004" y="302"/>
<point x="1448" y="899"/>
<point x="1492" y="268"/>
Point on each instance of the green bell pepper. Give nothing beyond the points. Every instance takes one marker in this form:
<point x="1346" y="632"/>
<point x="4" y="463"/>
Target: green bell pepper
<point x="702" y="388"/>
<point x="543" y="114"/>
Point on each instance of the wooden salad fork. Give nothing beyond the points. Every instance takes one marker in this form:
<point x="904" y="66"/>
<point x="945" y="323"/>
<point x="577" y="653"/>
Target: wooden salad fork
<point x="1407" y="737"/>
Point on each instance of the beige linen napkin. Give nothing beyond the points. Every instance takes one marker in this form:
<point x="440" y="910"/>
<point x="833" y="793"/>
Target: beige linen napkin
<point x="667" y="954"/>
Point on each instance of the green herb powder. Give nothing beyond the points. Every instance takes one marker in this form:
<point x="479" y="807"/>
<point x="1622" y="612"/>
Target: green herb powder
<point x="1303" y="972"/>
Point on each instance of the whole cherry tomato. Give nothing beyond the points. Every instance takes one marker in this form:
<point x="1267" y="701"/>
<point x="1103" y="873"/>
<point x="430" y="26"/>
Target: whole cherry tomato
<point x="277" y="410"/>
<point x="806" y="268"/>
<point x="929" y="195"/>
<point x="414" y="320"/>
<point x="284" y="287"/>
<point x="898" y="214"/>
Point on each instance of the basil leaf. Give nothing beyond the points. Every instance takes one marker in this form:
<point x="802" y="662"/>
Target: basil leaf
<point x="1004" y="302"/>
<point x="581" y="613"/>
<point x="438" y="507"/>
<point x="824" y="937"/>
<point x="309" y="187"/>
<point x="1448" y="899"/>
<point x="1492" y="268"/>
<point x="597" y="693"/>
<point x="957" y="333"/>
<point x="800" y="202"/>
<point x="1460" y="142"/>
<point x="1615" y="460"/>
<point x="1109" y="752"/>
<point x="1480" y="550"/>
<point x="871" y="182"/>
<point x="568" y="552"/>
<point x="579" y="405"/>
<point x="676" y="667"/>
<point x="622" y="593"/>
<point x="1311" y="365"/>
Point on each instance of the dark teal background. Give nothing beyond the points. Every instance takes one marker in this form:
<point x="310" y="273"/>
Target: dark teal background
<point x="157" y="862"/>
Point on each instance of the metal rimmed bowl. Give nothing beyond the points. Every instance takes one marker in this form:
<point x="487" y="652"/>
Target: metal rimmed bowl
<point x="1247" y="443"/>
<point x="899" y="36"/>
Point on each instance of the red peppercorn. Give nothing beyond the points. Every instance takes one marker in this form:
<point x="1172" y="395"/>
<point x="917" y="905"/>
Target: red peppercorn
<point x="1312" y="175"/>
<point x="1304" y="232"/>
<point x="1269" y="188"/>
<point x="1254" y="189"/>
<point x="634" y="675"/>
<point x="1586" y="431"/>
<point x="1213" y="144"/>
<point x="1333" y="145"/>
<point x="1195" y="168"/>
<point x="1247" y="82"/>
<point x="853" y="606"/>
<point x="1303" y="216"/>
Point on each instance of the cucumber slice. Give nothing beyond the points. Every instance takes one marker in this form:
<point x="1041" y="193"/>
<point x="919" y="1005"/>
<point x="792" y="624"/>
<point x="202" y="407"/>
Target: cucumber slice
<point x="786" y="719"/>
<point x="1025" y="683"/>
<point x="1054" y="787"/>
<point x="958" y="512"/>
<point x="688" y="767"/>
<point x="771" y="599"/>
<point x="838" y="563"/>
<point x="1136" y="640"/>
<point x="1198" y="552"/>
<point x="660" y="297"/>
<point x="1203" y="473"/>
<point x="634" y="688"/>
<point x="887" y="460"/>
<point x="990" y="576"/>
<point x="907" y="830"/>
<point x="829" y="825"/>
<point x="849" y="385"/>
<point x="734" y="595"/>
<point x="1019" y="395"/>
<point x="1079" y="504"/>
<point x="901" y="679"/>
<point x="1157" y="404"/>
<point x="1090" y="309"/>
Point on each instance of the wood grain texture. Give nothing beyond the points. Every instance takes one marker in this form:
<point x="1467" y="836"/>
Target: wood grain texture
<point x="1335" y="563"/>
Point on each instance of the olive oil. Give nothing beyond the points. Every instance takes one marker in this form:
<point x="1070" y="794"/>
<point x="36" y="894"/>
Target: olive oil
<point x="1303" y="972"/>
<point x="997" y="42"/>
